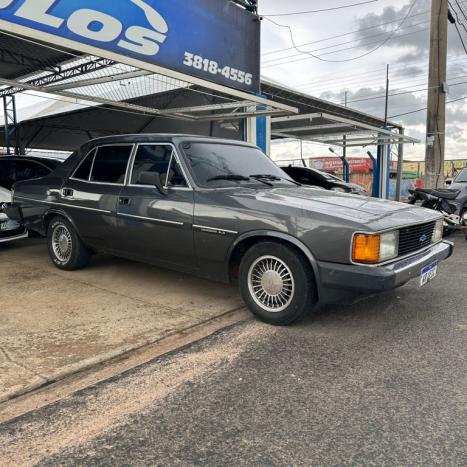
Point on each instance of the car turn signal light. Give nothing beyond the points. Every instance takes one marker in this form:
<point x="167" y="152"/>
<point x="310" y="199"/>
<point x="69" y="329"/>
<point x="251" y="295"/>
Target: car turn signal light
<point x="366" y="248"/>
<point x="375" y="248"/>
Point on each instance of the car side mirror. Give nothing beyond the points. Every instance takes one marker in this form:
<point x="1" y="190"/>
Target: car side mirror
<point x="153" y="178"/>
<point x="448" y="181"/>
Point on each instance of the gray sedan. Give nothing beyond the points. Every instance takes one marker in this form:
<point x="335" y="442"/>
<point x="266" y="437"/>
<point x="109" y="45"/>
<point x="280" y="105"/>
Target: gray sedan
<point x="223" y="210"/>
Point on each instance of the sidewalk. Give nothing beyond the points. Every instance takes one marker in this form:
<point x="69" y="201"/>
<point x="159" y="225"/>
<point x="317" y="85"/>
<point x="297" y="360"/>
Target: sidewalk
<point x="54" y="323"/>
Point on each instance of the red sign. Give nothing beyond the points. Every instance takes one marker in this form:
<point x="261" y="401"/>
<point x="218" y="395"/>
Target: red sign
<point x="357" y="164"/>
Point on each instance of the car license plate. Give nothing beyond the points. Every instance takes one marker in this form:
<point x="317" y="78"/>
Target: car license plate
<point x="8" y="225"/>
<point x="428" y="273"/>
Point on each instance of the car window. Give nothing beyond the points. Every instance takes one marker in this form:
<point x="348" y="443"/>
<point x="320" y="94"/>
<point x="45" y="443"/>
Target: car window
<point x="6" y="180"/>
<point x="462" y="177"/>
<point x="153" y="160"/>
<point x="110" y="164"/>
<point x="84" y="169"/>
<point x="26" y="170"/>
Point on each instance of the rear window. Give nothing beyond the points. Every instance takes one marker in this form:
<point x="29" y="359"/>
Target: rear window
<point x="110" y="164"/>
<point x="26" y="170"/>
<point x="84" y="169"/>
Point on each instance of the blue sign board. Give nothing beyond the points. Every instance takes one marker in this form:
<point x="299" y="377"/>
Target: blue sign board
<point x="214" y="40"/>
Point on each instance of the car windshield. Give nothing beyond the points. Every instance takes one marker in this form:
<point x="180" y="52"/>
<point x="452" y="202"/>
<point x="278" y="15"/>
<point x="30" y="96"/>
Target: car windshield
<point x="224" y="165"/>
<point x="462" y="177"/>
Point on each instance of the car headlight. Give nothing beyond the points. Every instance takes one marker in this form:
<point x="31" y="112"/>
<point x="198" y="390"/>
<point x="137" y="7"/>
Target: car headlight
<point x="375" y="248"/>
<point x="438" y="231"/>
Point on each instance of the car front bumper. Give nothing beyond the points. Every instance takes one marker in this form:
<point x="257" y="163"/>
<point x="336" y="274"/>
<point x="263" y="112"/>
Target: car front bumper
<point x="347" y="283"/>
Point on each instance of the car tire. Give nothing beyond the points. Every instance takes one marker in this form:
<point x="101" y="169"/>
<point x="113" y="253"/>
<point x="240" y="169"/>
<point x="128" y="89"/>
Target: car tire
<point x="66" y="249"/>
<point x="277" y="283"/>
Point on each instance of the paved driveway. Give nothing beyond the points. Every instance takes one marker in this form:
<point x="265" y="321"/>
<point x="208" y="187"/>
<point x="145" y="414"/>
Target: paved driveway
<point x="380" y="383"/>
<point x="53" y="323"/>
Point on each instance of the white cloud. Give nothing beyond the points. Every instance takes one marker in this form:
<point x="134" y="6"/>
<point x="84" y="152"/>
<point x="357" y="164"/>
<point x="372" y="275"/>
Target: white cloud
<point x="406" y="53"/>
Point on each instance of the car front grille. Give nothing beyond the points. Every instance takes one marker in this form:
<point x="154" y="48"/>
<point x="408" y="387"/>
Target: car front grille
<point x="415" y="238"/>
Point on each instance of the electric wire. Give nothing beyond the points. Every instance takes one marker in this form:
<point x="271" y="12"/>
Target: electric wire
<point x="319" y="56"/>
<point x="391" y="35"/>
<point x="321" y="10"/>
<point x="272" y="60"/>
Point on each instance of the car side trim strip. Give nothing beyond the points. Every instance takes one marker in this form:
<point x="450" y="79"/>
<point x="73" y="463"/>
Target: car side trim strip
<point x="50" y="203"/>
<point x="205" y="228"/>
<point x="150" y="219"/>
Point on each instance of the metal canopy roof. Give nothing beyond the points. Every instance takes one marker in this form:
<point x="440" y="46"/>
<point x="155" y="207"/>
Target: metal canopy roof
<point x="111" y="91"/>
<point x="27" y="65"/>
<point x="325" y="122"/>
<point x="336" y="131"/>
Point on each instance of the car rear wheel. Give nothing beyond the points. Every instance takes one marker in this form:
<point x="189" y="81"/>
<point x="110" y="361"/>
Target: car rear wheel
<point x="276" y="283"/>
<point x="66" y="249"/>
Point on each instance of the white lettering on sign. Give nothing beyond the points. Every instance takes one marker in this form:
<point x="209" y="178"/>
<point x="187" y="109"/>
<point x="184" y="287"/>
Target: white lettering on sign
<point x="143" y="40"/>
<point x="109" y="27"/>
<point x="37" y="11"/>
<point x="5" y="3"/>
<point x="99" y="26"/>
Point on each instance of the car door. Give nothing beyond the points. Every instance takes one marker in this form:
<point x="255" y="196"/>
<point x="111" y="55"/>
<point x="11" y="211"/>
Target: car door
<point x="90" y="196"/>
<point x="155" y="226"/>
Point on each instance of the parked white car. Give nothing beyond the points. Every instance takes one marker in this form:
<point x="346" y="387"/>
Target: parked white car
<point x="9" y="230"/>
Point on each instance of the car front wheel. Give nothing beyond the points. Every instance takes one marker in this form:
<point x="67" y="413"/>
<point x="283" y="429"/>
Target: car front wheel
<point x="66" y="249"/>
<point x="277" y="283"/>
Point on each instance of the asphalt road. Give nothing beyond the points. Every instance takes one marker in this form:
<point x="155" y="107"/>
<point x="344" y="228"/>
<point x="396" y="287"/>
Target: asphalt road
<point x="382" y="382"/>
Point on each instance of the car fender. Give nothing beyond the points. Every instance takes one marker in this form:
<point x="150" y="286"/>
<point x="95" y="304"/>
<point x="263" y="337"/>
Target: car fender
<point x="286" y="237"/>
<point x="58" y="212"/>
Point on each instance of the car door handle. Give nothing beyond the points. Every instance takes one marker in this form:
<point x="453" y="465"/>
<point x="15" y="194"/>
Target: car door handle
<point x="67" y="192"/>
<point x="124" y="201"/>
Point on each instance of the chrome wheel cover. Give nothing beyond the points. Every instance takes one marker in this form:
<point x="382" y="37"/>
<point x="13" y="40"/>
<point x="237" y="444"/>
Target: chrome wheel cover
<point x="62" y="243"/>
<point x="271" y="283"/>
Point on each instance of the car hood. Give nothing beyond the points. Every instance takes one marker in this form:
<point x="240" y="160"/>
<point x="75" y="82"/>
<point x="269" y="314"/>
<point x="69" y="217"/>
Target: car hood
<point x="354" y="208"/>
<point x="458" y="186"/>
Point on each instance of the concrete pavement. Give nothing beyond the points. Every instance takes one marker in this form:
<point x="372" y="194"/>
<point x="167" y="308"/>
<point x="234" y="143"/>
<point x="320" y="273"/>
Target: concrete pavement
<point x="380" y="383"/>
<point x="54" y="323"/>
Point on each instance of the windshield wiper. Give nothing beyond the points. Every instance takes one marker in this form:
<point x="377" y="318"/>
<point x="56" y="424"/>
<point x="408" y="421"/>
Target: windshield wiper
<point x="235" y="177"/>
<point x="262" y="177"/>
<point x="240" y="178"/>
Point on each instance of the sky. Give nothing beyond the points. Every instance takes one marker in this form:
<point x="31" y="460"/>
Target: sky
<point x="340" y="38"/>
<point x="366" y="27"/>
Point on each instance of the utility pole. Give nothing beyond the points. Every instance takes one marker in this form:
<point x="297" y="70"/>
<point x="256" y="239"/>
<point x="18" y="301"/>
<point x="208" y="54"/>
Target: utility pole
<point x="436" y="121"/>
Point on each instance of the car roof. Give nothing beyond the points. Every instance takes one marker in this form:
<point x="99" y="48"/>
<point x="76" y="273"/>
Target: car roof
<point x="156" y="137"/>
<point x="49" y="162"/>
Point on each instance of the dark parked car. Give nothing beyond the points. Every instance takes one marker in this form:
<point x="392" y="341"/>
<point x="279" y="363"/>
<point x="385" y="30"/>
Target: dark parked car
<point x="223" y="210"/>
<point x="314" y="177"/>
<point x="18" y="168"/>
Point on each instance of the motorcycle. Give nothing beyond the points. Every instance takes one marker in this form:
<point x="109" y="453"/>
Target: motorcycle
<point x="451" y="203"/>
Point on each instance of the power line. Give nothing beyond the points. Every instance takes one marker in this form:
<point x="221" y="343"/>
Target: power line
<point x="267" y="62"/>
<point x="343" y="35"/>
<point x="321" y="10"/>
<point x="425" y="108"/>
<point x="348" y="59"/>
<point x="410" y="91"/>
<point x="460" y="37"/>
<point x="316" y="84"/>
